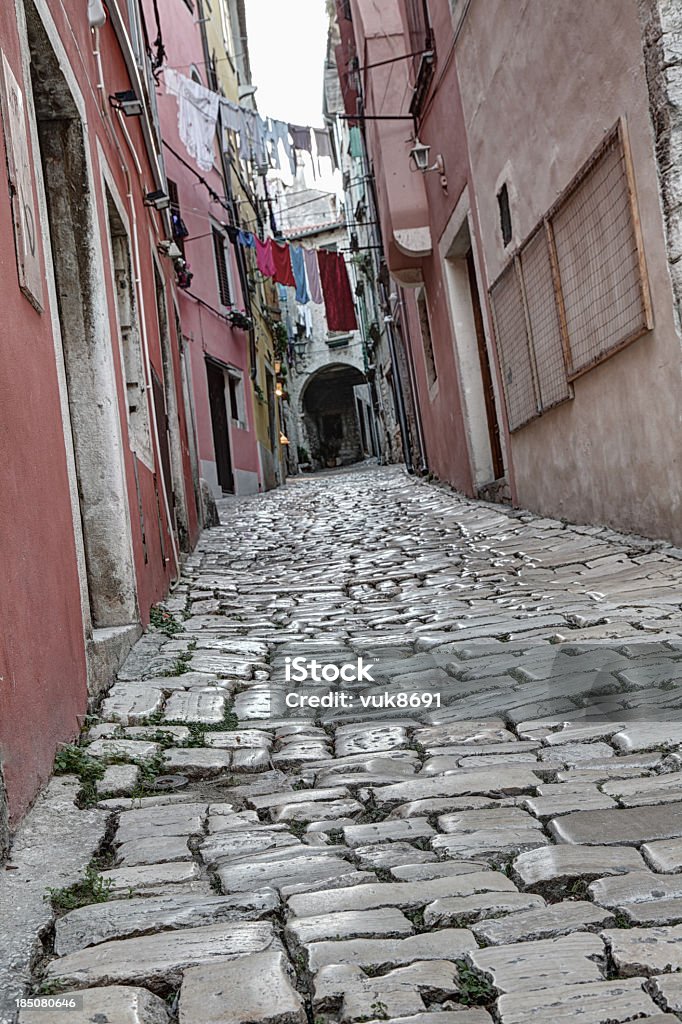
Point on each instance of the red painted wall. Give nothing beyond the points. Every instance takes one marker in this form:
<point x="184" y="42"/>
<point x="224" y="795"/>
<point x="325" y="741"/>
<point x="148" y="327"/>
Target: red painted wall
<point x="43" y="674"/>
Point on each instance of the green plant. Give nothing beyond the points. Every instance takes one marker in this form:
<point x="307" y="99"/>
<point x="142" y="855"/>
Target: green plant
<point x="163" y="620"/>
<point x="298" y="828"/>
<point x="92" y="888"/>
<point x="74" y="760"/>
<point x="258" y="391"/>
<point x="474" y="989"/>
<point x="379" y="1009"/>
<point x="303" y="454"/>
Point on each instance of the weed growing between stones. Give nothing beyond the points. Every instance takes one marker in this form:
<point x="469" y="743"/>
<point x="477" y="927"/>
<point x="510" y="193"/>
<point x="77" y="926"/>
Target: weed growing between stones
<point x="74" y="760"/>
<point x="298" y="828"/>
<point x="93" y="888"/>
<point x="164" y="621"/>
<point x="474" y="988"/>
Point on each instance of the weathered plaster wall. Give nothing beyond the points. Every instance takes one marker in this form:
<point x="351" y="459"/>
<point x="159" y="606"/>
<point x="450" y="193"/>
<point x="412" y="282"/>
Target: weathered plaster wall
<point x="613" y="454"/>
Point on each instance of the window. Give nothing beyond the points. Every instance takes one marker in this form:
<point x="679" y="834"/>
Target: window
<point x="421" y="43"/>
<point x="221" y="267"/>
<point x="129" y="333"/>
<point x="418" y="26"/>
<point x="178" y="225"/>
<point x="505" y="215"/>
<point x="427" y="340"/>
<point x="576" y="291"/>
<point x="235" y="389"/>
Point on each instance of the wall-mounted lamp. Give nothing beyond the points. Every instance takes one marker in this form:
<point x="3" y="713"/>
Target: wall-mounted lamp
<point x="97" y="16"/>
<point x="279" y="390"/>
<point x="159" y="199"/>
<point x="128" y="102"/>
<point x="419" y="156"/>
<point x="169" y="248"/>
<point x="283" y="439"/>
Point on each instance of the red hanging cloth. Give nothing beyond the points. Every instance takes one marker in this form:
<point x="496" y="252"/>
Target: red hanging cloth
<point x="338" y="298"/>
<point x="264" y="259"/>
<point x="283" y="272"/>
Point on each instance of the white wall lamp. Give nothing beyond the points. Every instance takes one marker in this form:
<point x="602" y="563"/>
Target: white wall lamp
<point x="169" y="248"/>
<point x="419" y="156"/>
<point x="97" y="16"/>
<point x="128" y="102"/>
<point x="160" y="200"/>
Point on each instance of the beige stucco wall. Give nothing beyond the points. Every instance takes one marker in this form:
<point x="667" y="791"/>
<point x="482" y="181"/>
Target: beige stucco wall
<point x="541" y="84"/>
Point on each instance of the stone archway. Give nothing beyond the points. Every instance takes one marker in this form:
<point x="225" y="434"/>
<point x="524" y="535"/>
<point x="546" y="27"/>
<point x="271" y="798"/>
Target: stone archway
<point x="334" y="422"/>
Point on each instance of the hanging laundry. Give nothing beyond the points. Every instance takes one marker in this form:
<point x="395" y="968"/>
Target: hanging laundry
<point x="197" y="116"/>
<point x="323" y="143"/>
<point x="301" y="136"/>
<point x="355" y="142"/>
<point x="280" y="133"/>
<point x="283" y="272"/>
<point x="324" y="148"/>
<point x="246" y="239"/>
<point x="312" y="272"/>
<point x="232" y="233"/>
<point x="305" y="318"/>
<point x="338" y="298"/>
<point x="298" y="268"/>
<point x="264" y="257"/>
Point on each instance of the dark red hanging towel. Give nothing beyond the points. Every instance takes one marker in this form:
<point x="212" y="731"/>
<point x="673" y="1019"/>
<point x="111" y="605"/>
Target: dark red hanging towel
<point x="283" y="272"/>
<point x="338" y="298"/>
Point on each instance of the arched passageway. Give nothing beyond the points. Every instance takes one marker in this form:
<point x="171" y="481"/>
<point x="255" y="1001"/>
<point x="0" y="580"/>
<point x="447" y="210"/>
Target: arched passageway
<point x="337" y="416"/>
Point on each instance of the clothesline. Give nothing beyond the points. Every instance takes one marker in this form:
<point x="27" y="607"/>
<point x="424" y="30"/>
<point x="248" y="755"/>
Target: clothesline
<point x="261" y="140"/>
<point x="317" y="275"/>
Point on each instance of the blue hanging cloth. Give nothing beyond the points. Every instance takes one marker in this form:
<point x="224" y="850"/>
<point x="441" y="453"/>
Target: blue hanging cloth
<point x="298" y="267"/>
<point x="247" y="239"/>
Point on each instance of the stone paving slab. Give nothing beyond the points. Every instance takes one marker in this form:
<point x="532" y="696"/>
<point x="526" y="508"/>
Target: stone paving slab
<point x="118" y="919"/>
<point x="548" y="923"/>
<point x="158" y="961"/>
<point x="406" y="895"/>
<point x="590" y="1003"/>
<point x="387" y="922"/>
<point x="620" y="827"/>
<point x="253" y="989"/>
<point x="119" y="1004"/>
<point x="377" y="954"/>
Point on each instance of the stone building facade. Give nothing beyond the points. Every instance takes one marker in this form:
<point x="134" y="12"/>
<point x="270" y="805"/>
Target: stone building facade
<point x="526" y="166"/>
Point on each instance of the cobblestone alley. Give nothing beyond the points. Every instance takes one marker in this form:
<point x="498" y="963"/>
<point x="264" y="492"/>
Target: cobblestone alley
<point x="493" y="833"/>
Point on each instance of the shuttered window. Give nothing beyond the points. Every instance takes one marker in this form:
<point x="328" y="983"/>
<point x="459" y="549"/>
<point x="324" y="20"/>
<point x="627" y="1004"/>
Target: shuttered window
<point x="576" y="291"/>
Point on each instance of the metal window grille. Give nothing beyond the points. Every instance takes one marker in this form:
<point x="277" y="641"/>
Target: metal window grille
<point x="221" y="266"/>
<point x="599" y="259"/>
<point x="513" y="344"/>
<point x="543" y="320"/>
<point x="576" y="291"/>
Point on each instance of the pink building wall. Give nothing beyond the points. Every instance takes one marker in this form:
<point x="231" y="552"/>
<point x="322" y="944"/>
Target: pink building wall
<point x="207" y="332"/>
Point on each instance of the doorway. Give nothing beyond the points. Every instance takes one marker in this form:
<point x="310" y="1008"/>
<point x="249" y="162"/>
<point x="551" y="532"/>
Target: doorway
<point x="479" y="404"/>
<point x="220" y="426"/>
<point x="486" y="372"/>
<point x="82" y="307"/>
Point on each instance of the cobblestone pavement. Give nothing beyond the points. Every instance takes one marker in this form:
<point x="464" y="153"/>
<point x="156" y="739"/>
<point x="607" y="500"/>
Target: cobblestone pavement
<point x="514" y="854"/>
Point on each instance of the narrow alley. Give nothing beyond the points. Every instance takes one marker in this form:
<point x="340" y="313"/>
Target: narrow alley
<point x="499" y="840"/>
